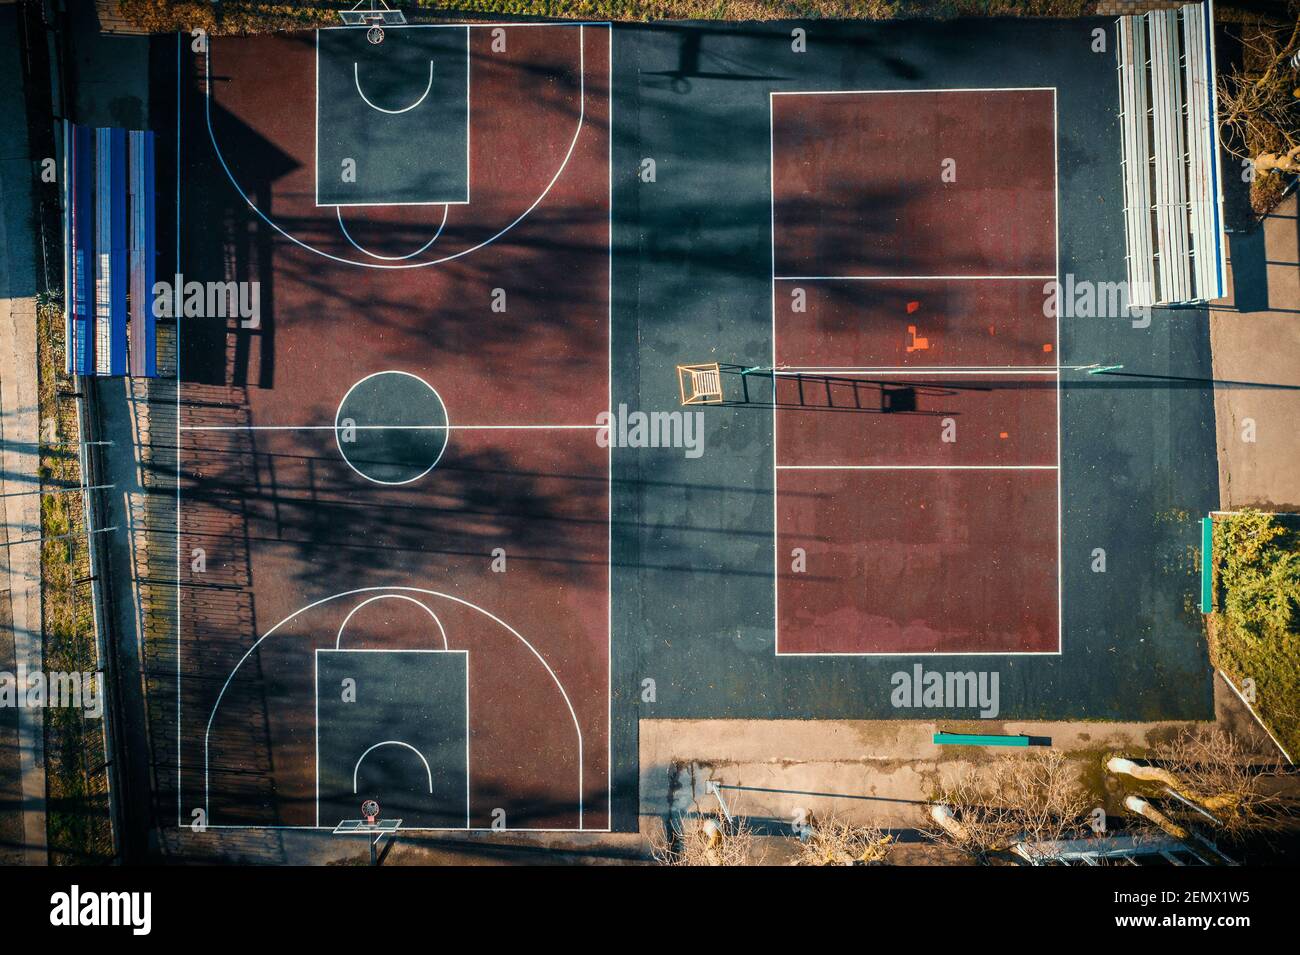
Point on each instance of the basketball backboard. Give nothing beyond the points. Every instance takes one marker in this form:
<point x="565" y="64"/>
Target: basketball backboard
<point x="359" y="827"/>
<point x="372" y="13"/>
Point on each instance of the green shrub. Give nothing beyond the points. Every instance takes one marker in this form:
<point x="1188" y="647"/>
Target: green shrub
<point x="1258" y="566"/>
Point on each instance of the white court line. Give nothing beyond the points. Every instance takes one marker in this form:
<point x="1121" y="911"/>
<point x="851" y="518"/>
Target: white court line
<point x="393" y="427"/>
<point x="356" y="770"/>
<point x="356" y="79"/>
<point x="955" y="89"/>
<point x="483" y="25"/>
<point x="404" y="829"/>
<point x="180" y="738"/>
<point x="338" y="638"/>
<point x="913" y="371"/>
<point x="392" y="258"/>
<point x="361" y="590"/>
<point x="1060" y="397"/>
<point x="468" y="132"/>
<point x="446" y="413"/>
<point x="316" y="691"/>
<point x="582" y="109"/>
<point x="916" y="467"/>
<point x="910" y="278"/>
<point x="776" y="471"/>
<point x="609" y="466"/>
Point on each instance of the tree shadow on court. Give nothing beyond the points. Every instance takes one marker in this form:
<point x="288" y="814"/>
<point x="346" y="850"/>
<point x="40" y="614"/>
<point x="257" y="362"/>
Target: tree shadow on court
<point x="221" y="241"/>
<point x="345" y="529"/>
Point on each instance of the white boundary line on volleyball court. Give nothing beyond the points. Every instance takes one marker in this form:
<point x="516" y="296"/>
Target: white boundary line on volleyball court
<point x="911" y="278"/>
<point x="915" y="371"/>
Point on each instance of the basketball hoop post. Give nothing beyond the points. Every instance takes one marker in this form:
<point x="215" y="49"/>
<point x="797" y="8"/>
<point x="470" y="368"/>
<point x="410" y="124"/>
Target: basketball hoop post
<point x="374" y="15"/>
<point x="370" y="826"/>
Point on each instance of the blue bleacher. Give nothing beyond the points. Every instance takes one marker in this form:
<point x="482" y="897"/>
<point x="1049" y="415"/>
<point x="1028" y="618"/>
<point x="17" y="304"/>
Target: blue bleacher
<point x="110" y="251"/>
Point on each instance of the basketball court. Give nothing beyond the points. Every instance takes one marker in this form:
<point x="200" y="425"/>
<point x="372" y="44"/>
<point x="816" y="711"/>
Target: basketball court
<point x="409" y="573"/>
<point x="394" y="546"/>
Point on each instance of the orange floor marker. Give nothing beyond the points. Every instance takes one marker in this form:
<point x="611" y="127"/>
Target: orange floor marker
<point x="918" y="344"/>
<point x="1047" y="348"/>
<point x="912" y="307"/>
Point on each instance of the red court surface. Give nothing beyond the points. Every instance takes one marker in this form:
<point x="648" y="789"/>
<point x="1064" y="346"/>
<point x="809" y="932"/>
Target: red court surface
<point x="914" y="323"/>
<point x="858" y="190"/>
<point x="881" y="421"/>
<point x="919" y="561"/>
<point x="297" y="542"/>
<point x="916" y="384"/>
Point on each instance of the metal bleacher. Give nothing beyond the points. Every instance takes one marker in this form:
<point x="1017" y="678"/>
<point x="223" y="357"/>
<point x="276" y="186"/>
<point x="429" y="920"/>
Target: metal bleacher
<point x="1173" y="217"/>
<point x="110" y="243"/>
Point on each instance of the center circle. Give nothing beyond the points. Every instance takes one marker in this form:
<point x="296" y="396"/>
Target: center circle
<point x="391" y="427"/>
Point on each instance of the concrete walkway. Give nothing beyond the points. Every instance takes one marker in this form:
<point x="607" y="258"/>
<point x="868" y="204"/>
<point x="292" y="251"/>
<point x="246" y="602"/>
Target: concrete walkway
<point x="1255" y="336"/>
<point x="880" y="772"/>
<point x="20" y="567"/>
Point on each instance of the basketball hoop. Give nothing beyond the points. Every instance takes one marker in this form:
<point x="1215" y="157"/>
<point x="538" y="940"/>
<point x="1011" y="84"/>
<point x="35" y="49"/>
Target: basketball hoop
<point x="370" y="811"/>
<point x="374" y="14"/>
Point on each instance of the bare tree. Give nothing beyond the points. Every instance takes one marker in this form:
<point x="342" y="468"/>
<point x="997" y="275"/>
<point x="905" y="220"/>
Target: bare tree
<point x="836" y="842"/>
<point x="990" y="808"/>
<point x="1259" y="105"/>
<point x="1223" y="776"/>
<point x="707" y="838"/>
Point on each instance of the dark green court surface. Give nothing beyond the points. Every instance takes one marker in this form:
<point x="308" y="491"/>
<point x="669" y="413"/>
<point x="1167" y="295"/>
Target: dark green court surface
<point x="694" y="561"/>
<point x="391" y="427"/>
<point x="379" y="104"/>
<point x="683" y="162"/>
<point x="392" y="725"/>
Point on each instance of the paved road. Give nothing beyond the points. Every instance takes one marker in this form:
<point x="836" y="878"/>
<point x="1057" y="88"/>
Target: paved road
<point x="19" y="454"/>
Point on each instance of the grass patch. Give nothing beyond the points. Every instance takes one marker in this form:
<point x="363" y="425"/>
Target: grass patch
<point x="1255" y="636"/>
<point x="235" y="17"/>
<point x="76" y="783"/>
<point x="767" y="9"/>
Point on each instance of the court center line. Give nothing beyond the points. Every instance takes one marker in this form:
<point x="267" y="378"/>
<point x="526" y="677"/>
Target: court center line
<point x="916" y="467"/>
<point x="912" y="278"/>
<point x="931" y="372"/>
<point x="394" y="427"/>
